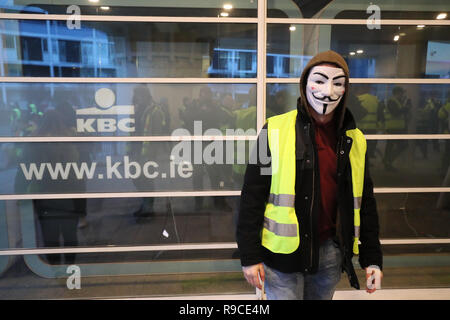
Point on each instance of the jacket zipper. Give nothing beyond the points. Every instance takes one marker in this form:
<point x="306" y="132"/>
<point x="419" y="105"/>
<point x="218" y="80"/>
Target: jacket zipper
<point x="312" y="199"/>
<point x="339" y="168"/>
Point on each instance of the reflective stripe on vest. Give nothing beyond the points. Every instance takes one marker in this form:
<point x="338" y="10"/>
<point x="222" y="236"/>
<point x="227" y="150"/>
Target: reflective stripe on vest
<point x="280" y="229"/>
<point x="357" y="161"/>
<point x="282" y="200"/>
<point x="280" y="233"/>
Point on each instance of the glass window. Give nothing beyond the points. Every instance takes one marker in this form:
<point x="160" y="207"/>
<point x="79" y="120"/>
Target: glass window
<point x="99" y="126"/>
<point x="131" y="49"/>
<point x="9" y="42"/>
<point x="420" y="108"/>
<point x="31" y="48"/>
<point x="124" y="109"/>
<point x="137" y="221"/>
<point x="91" y="223"/>
<point x="198" y="8"/>
<point x="413" y="215"/>
<point x="390" y="52"/>
<point x="392" y="160"/>
<point x="74" y="167"/>
<point x="356" y="9"/>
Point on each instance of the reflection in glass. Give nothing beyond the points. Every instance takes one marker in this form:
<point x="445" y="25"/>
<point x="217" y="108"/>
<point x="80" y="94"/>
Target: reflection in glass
<point x="199" y="8"/>
<point x="290" y="94"/>
<point x="129" y="109"/>
<point x="414" y="215"/>
<point x="110" y="222"/>
<point x="355" y="9"/>
<point x="403" y="163"/>
<point x="370" y="53"/>
<point x="128" y="49"/>
<point x="386" y="108"/>
<point x="89" y="222"/>
<point x="397" y="109"/>
<point x="59" y="220"/>
<point x="78" y="167"/>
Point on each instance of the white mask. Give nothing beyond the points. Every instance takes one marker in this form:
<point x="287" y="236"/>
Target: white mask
<point x="324" y="88"/>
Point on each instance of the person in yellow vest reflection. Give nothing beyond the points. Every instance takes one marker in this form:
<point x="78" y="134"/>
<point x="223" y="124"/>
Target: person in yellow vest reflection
<point x="370" y="123"/>
<point x="395" y="117"/>
<point x="310" y="208"/>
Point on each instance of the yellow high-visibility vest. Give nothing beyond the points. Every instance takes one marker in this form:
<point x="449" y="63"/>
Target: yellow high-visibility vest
<point x="443" y="115"/>
<point x="370" y="103"/>
<point x="280" y="232"/>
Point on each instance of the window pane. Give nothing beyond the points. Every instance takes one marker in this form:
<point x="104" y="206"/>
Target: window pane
<point x="41" y="168"/>
<point x="417" y="53"/>
<point x="136" y="221"/>
<point x="392" y="161"/>
<point x="124" y="109"/>
<point x="202" y="8"/>
<point x="414" y="215"/>
<point x="129" y="49"/>
<point x="383" y="108"/>
<point x="64" y="167"/>
<point x="111" y="222"/>
<point x="356" y="9"/>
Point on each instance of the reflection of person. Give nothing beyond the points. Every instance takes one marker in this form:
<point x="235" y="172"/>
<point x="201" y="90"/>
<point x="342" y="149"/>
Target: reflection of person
<point x="300" y="225"/>
<point x="151" y="121"/>
<point x="62" y="105"/>
<point x="228" y="105"/>
<point x="395" y="117"/>
<point x="245" y="120"/>
<point x="209" y="112"/>
<point x="185" y="115"/>
<point x="280" y="103"/>
<point x="370" y="122"/>
<point x="57" y="217"/>
<point x="444" y="118"/>
<point x="17" y="119"/>
<point x="426" y="116"/>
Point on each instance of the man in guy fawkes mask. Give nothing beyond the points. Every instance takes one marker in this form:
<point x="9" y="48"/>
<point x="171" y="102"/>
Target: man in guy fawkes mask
<point x="311" y="208"/>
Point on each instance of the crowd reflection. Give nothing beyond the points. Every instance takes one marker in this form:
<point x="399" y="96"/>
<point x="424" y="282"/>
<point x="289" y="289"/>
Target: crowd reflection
<point x="387" y="109"/>
<point x="58" y="218"/>
<point x="395" y="110"/>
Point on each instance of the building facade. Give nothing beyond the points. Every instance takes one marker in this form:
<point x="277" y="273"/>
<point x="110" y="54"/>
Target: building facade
<point x="125" y="128"/>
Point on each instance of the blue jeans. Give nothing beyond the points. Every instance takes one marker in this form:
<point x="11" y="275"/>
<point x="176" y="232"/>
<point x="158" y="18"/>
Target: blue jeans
<point x="297" y="286"/>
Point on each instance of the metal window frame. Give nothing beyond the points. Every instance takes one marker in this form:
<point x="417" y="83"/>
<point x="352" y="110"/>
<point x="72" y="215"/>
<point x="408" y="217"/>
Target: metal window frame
<point x="175" y="194"/>
<point x="183" y="247"/>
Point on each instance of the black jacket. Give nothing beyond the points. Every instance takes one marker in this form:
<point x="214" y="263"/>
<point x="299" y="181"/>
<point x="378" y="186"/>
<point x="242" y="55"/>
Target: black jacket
<point x="255" y="194"/>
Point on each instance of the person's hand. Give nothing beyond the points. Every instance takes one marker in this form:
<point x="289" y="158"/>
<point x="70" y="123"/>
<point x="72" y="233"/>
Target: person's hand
<point x="373" y="278"/>
<point x="253" y="274"/>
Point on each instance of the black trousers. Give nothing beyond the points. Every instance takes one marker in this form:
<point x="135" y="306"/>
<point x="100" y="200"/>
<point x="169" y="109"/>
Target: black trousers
<point x="59" y="226"/>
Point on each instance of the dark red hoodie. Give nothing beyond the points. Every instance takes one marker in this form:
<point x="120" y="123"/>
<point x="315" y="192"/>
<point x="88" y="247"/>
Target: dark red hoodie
<point x="326" y="140"/>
